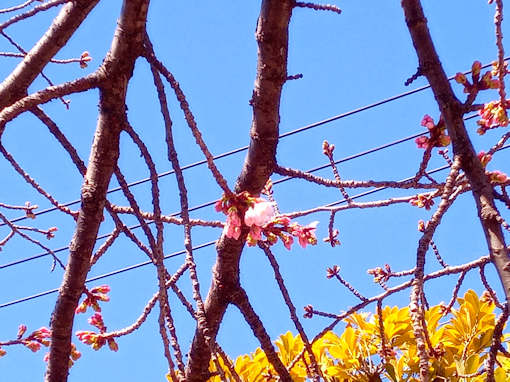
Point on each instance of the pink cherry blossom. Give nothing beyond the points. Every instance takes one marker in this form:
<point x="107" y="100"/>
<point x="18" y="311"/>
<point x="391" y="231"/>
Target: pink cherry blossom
<point x="422" y="142"/>
<point x="287" y="241"/>
<point x="32" y="345"/>
<point x="233" y="225"/>
<point x="428" y="122"/>
<point x="305" y="234"/>
<point x="255" y="233"/>
<point x="259" y="214"/>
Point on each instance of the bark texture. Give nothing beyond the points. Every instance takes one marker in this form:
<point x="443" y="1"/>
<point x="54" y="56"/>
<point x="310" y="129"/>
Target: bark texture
<point x="453" y="111"/>
<point x="272" y="38"/>
<point x="115" y="73"/>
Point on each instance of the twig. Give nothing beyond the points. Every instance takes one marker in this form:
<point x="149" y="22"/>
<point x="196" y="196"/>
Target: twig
<point x="496" y="342"/>
<point x="488" y="288"/>
<point x="29" y="13"/>
<point x="33" y="183"/>
<point x="15" y="229"/>
<point x="318" y="7"/>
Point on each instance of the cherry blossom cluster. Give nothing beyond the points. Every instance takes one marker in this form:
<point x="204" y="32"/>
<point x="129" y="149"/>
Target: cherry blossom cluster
<point x="496" y="176"/>
<point x="422" y="200"/>
<point x="33" y="341"/>
<point x="381" y="276"/>
<point x="260" y="217"/>
<point x="493" y="115"/>
<point x="487" y="81"/>
<point x="93" y="297"/>
<point x="97" y="340"/>
<point x="438" y="137"/>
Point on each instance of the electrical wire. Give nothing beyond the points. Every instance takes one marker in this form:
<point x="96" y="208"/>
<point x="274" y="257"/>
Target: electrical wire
<point x="229" y="153"/>
<point x="210" y="203"/>
<point x="105" y="275"/>
<point x="208" y="244"/>
<point x="244" y="148"/>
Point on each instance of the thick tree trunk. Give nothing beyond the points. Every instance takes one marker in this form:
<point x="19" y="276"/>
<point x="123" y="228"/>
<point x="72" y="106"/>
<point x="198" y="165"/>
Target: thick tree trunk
<point x="272" y="38"/>
<point x="115" y="73"/>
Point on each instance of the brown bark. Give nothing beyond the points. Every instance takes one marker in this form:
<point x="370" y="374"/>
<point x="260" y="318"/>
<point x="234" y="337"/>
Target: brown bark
<point x="115" y="72"/>
<point x="452" y="111"/>
<point x="272" y="39"/>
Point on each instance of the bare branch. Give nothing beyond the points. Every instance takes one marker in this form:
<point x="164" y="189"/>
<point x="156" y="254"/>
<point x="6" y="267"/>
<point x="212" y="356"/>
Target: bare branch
<point x="63" y="27"/>
<point x="118" y="68"/>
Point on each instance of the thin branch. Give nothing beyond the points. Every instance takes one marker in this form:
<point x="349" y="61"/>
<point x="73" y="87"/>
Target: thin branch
<point x="190" y="119"/>
<point x="29" y="13"/>
<point x="316" y="371"/>
<point x="17" y="7"/>
<point x="200" y="316"/>
<point x="404" y="184"/>
<point x="34" y="183"/>
<point x="318" y="7"/>
<point x="72" y="14"/>
<point x="15" y="229"/>
<point x="240" y="299"/>
<point x="496" y="343"/>
<point x="29" y="102"/>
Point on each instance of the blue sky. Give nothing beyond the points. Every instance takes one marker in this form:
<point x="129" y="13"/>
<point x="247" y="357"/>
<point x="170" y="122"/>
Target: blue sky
<point x="348" y="61"/>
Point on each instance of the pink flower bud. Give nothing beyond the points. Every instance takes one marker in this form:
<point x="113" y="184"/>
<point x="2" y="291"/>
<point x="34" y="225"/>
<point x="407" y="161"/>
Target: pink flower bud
<point x="112" y="344"/>
<point x="32" y="345"/>
<point x="100" y="289"/>
<point x="21" y="330"/>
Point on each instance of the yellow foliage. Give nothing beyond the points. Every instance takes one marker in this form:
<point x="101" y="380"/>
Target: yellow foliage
<point x="460" y="342"/>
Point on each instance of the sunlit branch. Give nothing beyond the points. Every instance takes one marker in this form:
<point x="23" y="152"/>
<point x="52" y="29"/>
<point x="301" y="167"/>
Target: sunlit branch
<point x="404" y="184"/>
<point x="190" y="119"/>
<point x="169" y="218"/>
<point x="496" y="343"/>
<point x="104" y="247"/>
<point x="200" y="315"/>
<point x="337" y="318"/>
<point x="46" y="95"/>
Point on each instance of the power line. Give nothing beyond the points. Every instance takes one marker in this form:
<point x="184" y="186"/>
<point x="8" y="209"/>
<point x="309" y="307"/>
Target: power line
<point x="208" y="244"/>
<point x="175" y="254"/>
<point x="310" y="126"/>
<point x="182" y="252"/>
<point x="210" y="203"/>
<point x="244" y="148"/>
<point x="105" y="275"/>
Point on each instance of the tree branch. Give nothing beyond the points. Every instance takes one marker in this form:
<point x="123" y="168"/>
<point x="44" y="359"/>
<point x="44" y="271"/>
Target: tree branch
<point x="65" y="24"/>
<point x="117" y="69"/>
<point x="452" y="112"/>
